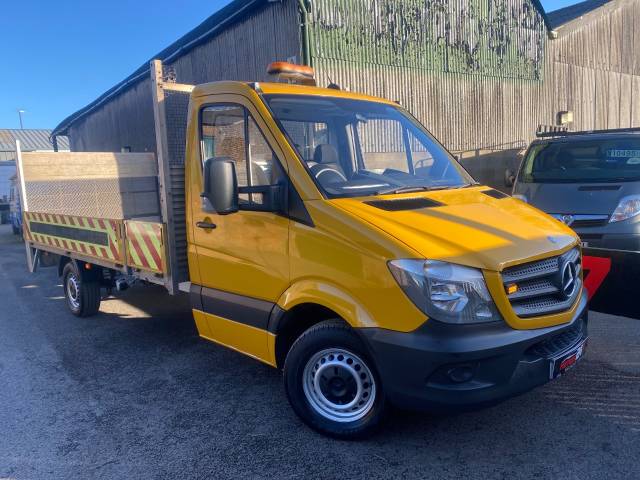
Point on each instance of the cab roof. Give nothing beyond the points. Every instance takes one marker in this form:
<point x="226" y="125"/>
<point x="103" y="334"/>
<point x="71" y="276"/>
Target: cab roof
<point x="267" y="88"/>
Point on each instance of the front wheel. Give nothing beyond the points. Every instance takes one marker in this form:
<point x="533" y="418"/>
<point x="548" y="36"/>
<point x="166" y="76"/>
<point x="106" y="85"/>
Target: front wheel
<point x="81" y="292"/>
<point x="332" y="384"/>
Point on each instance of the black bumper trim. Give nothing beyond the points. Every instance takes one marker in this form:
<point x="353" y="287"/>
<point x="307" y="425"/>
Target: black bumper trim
<point x="414" y="365"/>
<point x="238" y="308"/>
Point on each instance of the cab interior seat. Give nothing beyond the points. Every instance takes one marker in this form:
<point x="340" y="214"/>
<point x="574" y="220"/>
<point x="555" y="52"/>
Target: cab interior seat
<point x="326" y="166"/>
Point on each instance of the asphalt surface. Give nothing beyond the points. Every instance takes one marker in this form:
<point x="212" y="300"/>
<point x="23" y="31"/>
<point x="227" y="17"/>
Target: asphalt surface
<point x="134" y="393"/>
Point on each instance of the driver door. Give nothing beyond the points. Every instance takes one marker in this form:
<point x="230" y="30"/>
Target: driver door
<point x="242" y="257"/>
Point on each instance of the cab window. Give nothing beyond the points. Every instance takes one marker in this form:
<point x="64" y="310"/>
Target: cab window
<point x="583" y="161"/>
<point x="229" y="131"/>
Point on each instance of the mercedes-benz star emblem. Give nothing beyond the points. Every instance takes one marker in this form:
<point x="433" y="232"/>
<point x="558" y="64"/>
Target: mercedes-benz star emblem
<point x="567" y="219"/>
<point x="568" y="279"/>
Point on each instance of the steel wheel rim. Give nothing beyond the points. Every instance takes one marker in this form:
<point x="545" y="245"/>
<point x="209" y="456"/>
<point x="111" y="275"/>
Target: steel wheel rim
<point x="73" y="290"/>
<point x="339" y="385"/>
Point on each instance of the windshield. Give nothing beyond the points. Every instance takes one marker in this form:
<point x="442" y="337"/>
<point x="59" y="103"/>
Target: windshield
<point x="591" y="161"/>
<point x="358" y="148"/>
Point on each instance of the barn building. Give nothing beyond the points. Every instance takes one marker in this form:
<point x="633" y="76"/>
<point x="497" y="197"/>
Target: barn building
<point x="482" y="75"/>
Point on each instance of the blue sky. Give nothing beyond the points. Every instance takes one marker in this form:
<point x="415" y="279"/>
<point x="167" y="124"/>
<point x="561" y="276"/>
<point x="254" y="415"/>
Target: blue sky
<point x="58" y="56"/>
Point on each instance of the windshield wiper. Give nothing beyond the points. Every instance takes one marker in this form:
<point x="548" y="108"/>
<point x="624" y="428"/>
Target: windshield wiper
<point x="410" y="189"/>
<point x="407" y="189"/>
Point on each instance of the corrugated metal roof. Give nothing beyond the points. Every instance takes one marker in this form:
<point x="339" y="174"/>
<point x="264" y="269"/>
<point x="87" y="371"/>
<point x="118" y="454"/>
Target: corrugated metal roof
<point x="223" y="18"/>
<point x="559" y="17"/>
<point x="30" y="140"/>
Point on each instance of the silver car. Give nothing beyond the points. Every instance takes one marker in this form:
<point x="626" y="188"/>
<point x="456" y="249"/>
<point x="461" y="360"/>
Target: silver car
<point x="588" y="180"/>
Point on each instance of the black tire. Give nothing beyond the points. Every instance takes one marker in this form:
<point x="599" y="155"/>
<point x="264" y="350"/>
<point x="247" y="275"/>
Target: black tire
<point x="312" y="353"/>
<point x="82" y="292"/>
<point x="16" y="230"/>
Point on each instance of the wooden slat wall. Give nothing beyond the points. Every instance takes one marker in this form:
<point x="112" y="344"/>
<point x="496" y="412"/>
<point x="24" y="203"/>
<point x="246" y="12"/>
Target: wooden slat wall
<point x="124" y="121"/>
<point x="602" y="52"/>
<point x="592" y="69"/>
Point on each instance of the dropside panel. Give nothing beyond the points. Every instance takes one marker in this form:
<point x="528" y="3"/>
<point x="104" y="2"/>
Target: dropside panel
<point x="145" y="246"/>
<point x="89" y="237"/>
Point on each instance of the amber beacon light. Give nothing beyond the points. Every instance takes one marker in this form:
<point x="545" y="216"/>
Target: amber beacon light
<point x="292" y="73"/>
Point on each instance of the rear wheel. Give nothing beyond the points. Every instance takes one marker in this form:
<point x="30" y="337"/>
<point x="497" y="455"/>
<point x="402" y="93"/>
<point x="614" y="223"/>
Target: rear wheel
<point x="16" y="230"/>
<point x="82" y="292"/>
<point x="332" y="384"/>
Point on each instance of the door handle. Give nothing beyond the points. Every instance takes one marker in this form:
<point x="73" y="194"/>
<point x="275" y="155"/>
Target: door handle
<point x="206" y="225"/>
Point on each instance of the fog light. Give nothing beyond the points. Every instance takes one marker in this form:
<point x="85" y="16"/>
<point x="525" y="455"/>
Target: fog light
<point x="460" y="374"/>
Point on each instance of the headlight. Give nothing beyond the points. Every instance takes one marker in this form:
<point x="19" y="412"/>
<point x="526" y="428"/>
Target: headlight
<point x="520" y="197"/>
<point x="627" y="208"/>
<point x="447" y="292"/>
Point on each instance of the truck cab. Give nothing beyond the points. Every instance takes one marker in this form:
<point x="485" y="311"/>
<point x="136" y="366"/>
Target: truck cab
<point x="332" y="236"/>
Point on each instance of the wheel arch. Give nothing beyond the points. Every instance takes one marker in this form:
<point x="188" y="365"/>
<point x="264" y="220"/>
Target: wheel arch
<point x="308" y="303"/>
<point x="289" y="325"/>
<point x="62" y="263"/>
<point x="86" y="274"/>
<point x="328" y="295"/>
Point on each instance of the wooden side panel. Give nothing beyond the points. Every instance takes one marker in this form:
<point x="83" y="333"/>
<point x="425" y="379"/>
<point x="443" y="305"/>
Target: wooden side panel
<point x="39" y="166"/>
<point x="94" y="185"/>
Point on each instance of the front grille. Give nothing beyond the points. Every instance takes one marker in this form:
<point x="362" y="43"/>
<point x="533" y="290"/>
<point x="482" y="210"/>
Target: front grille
<point x="560" y="343"/>
<point x="544" y="287"/>
<point x="590" y="223"/>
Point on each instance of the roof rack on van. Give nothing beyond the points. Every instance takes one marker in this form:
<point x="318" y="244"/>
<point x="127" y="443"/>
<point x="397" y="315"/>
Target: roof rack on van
<point x="545" y="131"/>
<point x="551" y="131"/>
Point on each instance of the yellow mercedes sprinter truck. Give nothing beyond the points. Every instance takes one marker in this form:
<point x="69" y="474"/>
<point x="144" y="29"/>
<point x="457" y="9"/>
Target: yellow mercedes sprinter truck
<point x="331" y="236"/>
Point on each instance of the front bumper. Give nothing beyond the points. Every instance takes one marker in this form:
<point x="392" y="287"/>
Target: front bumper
<point x="416" y="368"/>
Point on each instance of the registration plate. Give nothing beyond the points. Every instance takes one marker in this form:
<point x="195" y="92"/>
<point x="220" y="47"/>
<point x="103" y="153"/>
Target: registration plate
<point x="584" y="244"/>
<point x="559" y="365"/>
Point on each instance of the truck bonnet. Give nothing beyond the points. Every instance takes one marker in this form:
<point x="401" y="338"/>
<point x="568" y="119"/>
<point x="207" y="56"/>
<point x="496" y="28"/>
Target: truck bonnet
<point x="467" y="226"/>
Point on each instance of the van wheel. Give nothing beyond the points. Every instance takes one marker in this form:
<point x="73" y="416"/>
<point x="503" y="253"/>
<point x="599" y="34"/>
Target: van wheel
<point x="82" y="292"/>
<point x="332" y="383"/>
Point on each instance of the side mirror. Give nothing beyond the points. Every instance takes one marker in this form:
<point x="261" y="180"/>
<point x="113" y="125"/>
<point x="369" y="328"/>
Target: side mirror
<point x="221" y="185"/>
<point x="509" y="178"/>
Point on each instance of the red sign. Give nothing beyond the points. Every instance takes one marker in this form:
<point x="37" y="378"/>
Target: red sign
<point x="596" y="270"/>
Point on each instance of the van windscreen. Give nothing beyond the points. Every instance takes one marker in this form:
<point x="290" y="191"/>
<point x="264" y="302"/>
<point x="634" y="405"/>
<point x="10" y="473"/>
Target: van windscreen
<point x="583" y="161"/>
<point x="358" y="148"/>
